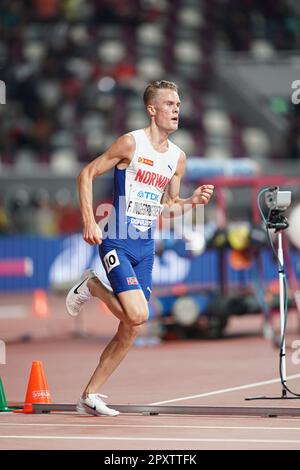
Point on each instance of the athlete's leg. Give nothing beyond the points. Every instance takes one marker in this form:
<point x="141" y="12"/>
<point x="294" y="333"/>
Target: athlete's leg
<point x="135" y="304"/>
<point x="99" y="290"/>
<point x="128" y="303"/>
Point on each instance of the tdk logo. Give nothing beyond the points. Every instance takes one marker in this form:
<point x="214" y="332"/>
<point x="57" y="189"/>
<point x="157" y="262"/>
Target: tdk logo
<point x="148" y="195"/>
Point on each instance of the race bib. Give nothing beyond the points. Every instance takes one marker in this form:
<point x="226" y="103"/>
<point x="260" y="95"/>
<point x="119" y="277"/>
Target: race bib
<point x="111" y="260"/>
<point x="144" y="210"/>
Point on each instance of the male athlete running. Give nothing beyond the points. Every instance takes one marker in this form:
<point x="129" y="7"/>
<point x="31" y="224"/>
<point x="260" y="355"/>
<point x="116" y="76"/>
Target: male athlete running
<point x="147" y="172"/>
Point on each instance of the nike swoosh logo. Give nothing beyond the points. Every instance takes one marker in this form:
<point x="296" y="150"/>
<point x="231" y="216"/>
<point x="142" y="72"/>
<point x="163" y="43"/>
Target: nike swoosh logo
<point x="76" y="290"/>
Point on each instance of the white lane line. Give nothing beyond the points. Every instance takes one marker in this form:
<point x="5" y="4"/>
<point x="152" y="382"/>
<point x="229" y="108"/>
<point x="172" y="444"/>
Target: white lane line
<point x="224" y="390"/>
<point x="149" y="426"/>
<point x="158" y="439"/>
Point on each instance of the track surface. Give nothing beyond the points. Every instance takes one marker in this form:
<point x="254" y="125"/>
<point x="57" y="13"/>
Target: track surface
<point x="205" y="372"/>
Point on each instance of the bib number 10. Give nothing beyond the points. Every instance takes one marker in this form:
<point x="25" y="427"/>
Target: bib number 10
<point x="111" y="260"/>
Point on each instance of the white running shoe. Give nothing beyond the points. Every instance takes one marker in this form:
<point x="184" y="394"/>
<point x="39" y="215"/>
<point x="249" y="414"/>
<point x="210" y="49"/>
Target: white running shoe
<point x="79" y="294"/>
<point x="94" y="405"/>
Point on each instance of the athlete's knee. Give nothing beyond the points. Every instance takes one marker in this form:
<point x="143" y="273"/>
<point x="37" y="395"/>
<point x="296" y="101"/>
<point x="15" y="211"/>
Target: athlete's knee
<point x="138" y="319"/>
<point x="137" y="316"/>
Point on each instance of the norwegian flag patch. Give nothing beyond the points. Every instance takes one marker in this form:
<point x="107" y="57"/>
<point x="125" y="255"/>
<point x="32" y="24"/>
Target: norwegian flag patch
<point x="132" y="281"/>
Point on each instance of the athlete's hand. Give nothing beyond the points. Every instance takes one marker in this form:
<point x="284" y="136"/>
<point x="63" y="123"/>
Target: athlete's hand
<point x="92" y="234"/>
<point x="202" y="194"/>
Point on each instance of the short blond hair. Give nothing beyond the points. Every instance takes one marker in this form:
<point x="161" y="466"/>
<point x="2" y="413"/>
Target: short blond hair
<point x="153" y="87"/>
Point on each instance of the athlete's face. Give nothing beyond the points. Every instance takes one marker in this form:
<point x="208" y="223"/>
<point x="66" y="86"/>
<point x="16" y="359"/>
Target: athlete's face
<point x="164" y="108"/>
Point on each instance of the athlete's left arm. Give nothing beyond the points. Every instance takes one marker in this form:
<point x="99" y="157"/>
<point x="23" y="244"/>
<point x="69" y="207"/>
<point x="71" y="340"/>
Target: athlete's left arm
<point x="173" y="205"/>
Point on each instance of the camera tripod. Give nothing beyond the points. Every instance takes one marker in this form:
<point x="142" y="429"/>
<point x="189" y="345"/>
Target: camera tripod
<point x="279" y="223"/>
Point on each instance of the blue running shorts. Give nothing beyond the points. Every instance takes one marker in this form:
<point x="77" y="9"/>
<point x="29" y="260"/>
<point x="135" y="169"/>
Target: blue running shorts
<point x="128" y="264"/>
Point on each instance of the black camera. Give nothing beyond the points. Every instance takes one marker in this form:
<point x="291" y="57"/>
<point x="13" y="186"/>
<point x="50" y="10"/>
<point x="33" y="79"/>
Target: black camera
<point x="277" y="201"/>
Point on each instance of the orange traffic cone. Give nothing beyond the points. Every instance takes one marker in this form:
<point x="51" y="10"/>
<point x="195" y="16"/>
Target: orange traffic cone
<point x="37" y="389"/>
<point x="40" y="303"/>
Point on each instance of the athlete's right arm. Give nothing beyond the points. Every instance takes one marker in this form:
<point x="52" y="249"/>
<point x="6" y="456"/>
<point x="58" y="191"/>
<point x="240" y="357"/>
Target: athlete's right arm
<point x="121" y="151"/>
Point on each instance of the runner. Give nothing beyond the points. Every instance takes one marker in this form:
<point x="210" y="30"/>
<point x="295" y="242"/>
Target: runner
<point x="148" y="169"/>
